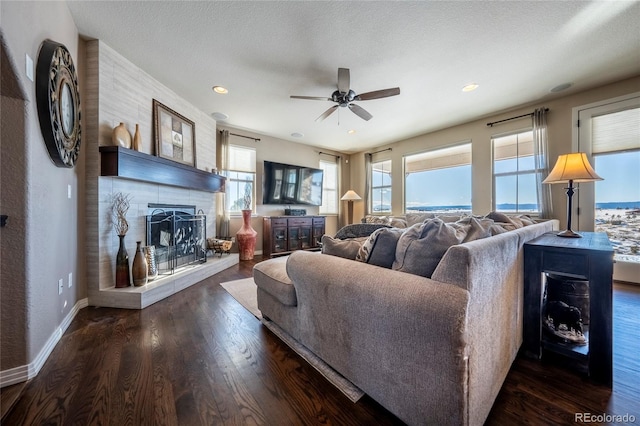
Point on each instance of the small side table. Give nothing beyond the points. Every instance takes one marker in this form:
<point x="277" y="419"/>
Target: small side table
<point x="588" y="258"/>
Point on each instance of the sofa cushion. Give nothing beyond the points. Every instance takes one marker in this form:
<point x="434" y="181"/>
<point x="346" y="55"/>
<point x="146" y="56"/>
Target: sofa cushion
<point x="414" y="218"/>
<point x="271" y="276"/>
<point x="421" y="246"/>
<point x="510" y="223"/>
<point x="380" y="248"/>
<point x="347" y="248"/>
<point x="357" y="230"/>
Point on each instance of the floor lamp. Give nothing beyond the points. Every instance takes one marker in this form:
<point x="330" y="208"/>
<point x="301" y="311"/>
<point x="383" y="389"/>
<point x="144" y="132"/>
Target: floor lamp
<point x="571" y="168"/>
<point x="350" y="196"/>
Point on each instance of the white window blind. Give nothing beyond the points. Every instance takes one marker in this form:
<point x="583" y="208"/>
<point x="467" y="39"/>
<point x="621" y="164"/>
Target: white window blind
<point x="242" y="159"/>
<point x="459" y="155"/>
<point x="513" y="146"/>
<point x="329" y="187"/>
<point x="616" y="132"/>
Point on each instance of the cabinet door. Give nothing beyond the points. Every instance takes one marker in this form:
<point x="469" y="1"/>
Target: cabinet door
<point x="279" y="239"/>
<point x="318" y="231"/>
<point x="304" y="235"/>
<point x="294" y="238"/>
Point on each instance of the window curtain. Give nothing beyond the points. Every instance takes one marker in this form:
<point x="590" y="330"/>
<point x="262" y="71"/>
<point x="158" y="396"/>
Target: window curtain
<point x="368" y="159"/>
<point x="222" y="209"/>
<point x="541" y="158"/>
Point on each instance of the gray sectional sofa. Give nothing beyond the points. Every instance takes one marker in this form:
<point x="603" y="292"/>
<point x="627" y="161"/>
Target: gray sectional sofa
<point x="433" y="351"/>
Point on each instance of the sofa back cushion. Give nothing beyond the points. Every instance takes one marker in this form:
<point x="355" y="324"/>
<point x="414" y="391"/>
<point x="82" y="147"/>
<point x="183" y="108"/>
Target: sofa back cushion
<point x="347" y="248"/>
<point x="421" y="246"/>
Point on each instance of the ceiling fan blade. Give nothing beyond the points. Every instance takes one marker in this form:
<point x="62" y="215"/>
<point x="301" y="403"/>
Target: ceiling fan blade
<point x="343" y="80"/>
<point x="360" y="112"/>
<point x="377" y="94"/>
<point x="312" y="98"/>
<point x="327" y="113"/>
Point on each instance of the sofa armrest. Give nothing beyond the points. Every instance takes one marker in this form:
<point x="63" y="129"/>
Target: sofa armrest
<point x="379" y="327"/>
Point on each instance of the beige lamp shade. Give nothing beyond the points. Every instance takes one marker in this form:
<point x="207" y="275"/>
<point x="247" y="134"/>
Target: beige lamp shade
<point x="350" y="195"/>
<point x="572" y="167"/>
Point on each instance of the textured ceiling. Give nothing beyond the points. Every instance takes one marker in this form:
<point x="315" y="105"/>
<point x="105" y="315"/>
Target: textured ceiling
<point x="265" y="51"/>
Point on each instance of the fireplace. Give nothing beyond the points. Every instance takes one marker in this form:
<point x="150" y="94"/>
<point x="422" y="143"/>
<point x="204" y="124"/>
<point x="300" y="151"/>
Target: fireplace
<point x="178" y="234"/>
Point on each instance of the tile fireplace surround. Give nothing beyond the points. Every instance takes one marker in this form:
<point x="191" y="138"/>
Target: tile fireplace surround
<point x="142" y="194"/>
<point x="118" y="91"/>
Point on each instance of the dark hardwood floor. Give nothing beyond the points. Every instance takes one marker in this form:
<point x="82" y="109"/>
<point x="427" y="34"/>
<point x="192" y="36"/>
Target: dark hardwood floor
<point x="199" y="358"/>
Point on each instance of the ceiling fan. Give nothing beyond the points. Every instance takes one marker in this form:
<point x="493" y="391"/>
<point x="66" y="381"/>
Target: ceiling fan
<point x="344" y="97"/>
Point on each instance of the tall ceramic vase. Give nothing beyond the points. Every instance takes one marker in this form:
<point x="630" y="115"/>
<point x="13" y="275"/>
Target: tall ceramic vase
<point x="136" y="143"/>
<point x="139" y="269"/>
<point x="123" y="275"/>
<point x="246" y="237"/>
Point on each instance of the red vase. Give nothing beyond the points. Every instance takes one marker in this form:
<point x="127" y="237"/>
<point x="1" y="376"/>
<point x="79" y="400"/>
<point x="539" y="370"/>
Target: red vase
<point x="246" y="237"/>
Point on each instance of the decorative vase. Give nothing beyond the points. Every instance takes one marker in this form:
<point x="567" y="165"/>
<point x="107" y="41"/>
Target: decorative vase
<point x="123" y="276"/>
<point x="152" y="266"/>
<point x="137" y="139"/>
<point x="246" y="237"/>
<point x="139" y="267"/>
<point x="121" y="136"/>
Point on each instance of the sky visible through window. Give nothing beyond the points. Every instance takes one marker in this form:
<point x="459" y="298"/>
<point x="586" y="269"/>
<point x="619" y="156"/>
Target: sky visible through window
<point x="621" y="174"/>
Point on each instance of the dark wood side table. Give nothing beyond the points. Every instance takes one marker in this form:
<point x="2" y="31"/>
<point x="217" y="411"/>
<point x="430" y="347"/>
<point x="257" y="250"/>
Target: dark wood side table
<point x="588" y="258"/>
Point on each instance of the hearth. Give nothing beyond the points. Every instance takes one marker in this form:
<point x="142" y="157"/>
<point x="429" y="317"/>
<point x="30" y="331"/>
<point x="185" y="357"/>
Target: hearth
<point x="178" y="234"/>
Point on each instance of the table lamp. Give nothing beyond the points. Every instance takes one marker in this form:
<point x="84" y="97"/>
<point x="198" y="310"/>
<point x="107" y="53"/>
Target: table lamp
<point x="350" y="196"/>
<point x="571" y="168"/>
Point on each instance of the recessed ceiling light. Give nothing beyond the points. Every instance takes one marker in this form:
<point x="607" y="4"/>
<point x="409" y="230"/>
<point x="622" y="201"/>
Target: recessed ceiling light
<point x="561" y="87"/>
<point x="351" y="132"/>
<point x="219" y="116"/>
<point x="470" y="87"/>
<point x="297" y="134"/>
<point x="221" y="90"/>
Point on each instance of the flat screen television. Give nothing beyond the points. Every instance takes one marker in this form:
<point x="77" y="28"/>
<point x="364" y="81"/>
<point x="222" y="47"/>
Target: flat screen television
<point x="289" y="184"/>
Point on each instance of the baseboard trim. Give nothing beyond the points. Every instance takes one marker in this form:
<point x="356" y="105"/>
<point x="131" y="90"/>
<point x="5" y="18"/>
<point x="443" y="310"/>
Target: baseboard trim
<point x="25" y="372"/>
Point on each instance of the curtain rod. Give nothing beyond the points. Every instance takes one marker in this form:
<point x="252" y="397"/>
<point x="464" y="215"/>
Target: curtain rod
<point x="326" y="153"/>
<point x="382" y="150"/>
<point x="243" y="136"/>
<point x="513" y="118"/>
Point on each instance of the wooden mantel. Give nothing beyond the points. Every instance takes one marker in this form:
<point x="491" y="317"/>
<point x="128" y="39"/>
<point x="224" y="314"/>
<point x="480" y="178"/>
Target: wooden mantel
<point x="131" y="164"/>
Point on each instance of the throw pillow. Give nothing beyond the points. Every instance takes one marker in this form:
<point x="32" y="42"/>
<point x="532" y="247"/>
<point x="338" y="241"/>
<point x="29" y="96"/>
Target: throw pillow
<point x="342" y="248"/>
<point x="357" y="230"/>
<point x="380" y="248"/>
<point x="421" y="246"/>
<point x="415" y="218"/>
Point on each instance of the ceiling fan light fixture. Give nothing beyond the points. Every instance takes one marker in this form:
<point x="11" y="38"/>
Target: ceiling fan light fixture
<point x="470" y="87"/>
<point x="220" y="90"/>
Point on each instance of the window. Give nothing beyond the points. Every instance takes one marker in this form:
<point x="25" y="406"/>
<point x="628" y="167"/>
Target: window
<point x="514" y="174"/>
<point x="329" y="187"/>
<point x="241" y="177"/>
<point x="439" y="180"/>
<point x="381" y="187"/>
<point x="616" y="157"/>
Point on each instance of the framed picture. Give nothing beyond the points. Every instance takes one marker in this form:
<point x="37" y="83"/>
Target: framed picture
<point x="175" y="135"/>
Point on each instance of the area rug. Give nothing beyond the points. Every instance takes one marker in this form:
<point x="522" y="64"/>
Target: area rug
<point x="244" y="291"/>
